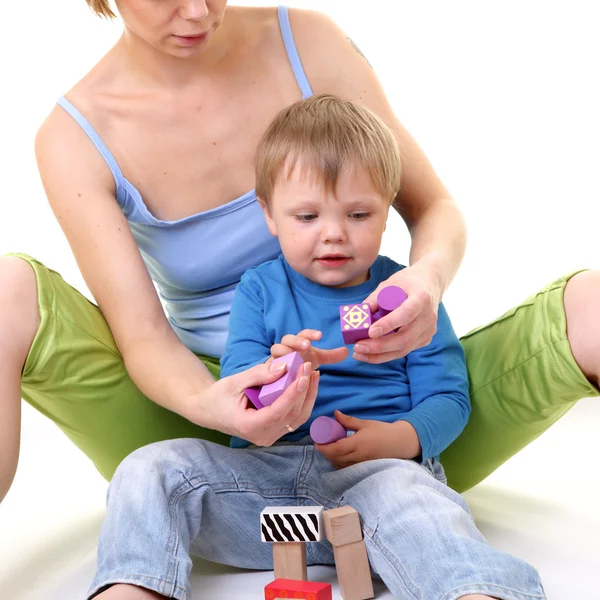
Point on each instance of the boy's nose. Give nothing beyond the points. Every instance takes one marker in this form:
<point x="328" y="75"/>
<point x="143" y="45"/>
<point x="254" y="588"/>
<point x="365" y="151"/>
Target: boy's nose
<point x="333" y="232"/>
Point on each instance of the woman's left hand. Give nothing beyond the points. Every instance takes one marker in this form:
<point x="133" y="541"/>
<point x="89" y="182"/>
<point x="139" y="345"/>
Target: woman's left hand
<point x="416" y="317"/>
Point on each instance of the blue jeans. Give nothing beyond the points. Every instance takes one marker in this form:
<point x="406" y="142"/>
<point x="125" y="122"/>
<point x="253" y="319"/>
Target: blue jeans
<point x="180" y="497"/>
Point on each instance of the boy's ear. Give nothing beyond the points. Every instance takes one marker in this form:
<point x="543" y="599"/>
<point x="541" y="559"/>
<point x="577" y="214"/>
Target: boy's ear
<point x="267" y="212"/>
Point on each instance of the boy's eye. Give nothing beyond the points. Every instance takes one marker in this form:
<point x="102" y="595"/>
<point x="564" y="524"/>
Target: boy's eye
<point x="306" y="218"/>
<point x="359" y="216"/>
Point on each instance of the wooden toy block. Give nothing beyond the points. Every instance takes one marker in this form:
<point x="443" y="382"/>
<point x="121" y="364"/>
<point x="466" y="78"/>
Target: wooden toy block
<point x="325" y="430"/>
<point x="270" y="392"/>
<point x="252" y="394"/>
<point x="342" y="527"/>
<point x="355" y="320"/>
<point x="291" y="524"/>
<point x="289" y="588"/>
<point x="353" y="571"/>
<point x="289" y="560"/>
<point x="289" y="528"/>
<point x="389" y="299"/>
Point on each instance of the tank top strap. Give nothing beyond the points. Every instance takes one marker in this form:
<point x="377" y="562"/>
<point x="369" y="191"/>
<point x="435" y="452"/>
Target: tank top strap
<point x="96" y="140"/>
<point x="292" y="52"/>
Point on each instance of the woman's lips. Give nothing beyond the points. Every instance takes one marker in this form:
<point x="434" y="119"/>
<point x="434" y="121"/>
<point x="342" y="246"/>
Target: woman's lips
<point x="191" y="40"/>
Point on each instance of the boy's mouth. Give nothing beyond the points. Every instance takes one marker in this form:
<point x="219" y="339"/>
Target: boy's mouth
<point x="333" y="260"/>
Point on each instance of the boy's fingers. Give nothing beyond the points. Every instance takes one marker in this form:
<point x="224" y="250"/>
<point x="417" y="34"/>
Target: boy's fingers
<point x="299" y="343"/>
<point x="311" y="334"/>
<point x="279" y="350"/>
<point x="327" y="357"/>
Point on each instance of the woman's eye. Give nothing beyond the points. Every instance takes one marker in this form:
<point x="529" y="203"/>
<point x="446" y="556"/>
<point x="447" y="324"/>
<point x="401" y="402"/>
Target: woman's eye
<point x="359" y="216"/>
<point x="306" y="218"/>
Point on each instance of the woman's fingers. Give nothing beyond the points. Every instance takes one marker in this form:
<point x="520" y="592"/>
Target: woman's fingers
<point x="405" y="314"/>
<point x="259" y="375"/>
<point x="396" y="345"/>
<point x="265" y="426"/>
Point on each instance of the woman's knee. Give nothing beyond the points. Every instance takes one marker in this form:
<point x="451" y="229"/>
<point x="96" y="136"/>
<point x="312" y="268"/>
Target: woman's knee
<point x="582" y="308"/>
<point x="19" y="308"/>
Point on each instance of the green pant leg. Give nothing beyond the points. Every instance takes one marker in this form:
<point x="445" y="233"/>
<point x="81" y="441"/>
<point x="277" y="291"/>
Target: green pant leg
<point x="75" y="376"/>
<point x="523" y="378"/>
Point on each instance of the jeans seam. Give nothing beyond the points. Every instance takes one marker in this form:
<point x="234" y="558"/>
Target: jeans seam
<point x="173" y="542"/>
<point x="370" y="534"/>
<point x="305" y="465"/>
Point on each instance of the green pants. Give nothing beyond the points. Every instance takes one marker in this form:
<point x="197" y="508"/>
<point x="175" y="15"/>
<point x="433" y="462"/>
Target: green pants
<point x="522" y="374"/>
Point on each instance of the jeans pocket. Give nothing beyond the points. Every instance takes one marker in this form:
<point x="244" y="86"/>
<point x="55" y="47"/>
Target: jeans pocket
<point x="434" y="466"/>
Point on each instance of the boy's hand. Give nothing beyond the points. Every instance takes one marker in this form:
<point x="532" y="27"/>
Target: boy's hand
<point x="301" y="343"/>
<point x="372" y="440"/>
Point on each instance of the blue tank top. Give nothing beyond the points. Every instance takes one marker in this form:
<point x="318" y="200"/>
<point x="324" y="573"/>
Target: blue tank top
<point x="196" y="262"/>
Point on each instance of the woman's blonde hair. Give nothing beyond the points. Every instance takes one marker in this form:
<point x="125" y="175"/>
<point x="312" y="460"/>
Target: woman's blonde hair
<point x="323" y="134"/>
<point x="101" y="8"/>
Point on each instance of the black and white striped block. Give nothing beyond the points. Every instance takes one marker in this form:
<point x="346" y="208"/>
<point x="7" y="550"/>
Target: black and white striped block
<point x="291" y="524"/>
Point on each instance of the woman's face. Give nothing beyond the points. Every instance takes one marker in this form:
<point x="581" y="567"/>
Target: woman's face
<point x="177" y="27"/>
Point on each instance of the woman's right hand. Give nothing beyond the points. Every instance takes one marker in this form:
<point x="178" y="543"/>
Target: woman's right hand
<point x="225" y="407"/>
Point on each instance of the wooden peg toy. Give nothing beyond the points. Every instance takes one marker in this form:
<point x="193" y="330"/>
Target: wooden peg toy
<point x="288" y="528"/>
<point x="342" y="528"/>
<point x="325" y="430"/>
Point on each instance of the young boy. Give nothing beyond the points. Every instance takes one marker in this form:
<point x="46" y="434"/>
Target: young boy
<point x="327" y="171"/>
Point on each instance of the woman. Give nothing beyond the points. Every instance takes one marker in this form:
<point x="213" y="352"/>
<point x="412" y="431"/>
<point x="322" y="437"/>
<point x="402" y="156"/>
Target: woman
<point x="141" y="162"/>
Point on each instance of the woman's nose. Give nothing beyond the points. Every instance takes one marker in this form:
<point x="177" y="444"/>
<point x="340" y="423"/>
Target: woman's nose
<point x="193" y="10"/>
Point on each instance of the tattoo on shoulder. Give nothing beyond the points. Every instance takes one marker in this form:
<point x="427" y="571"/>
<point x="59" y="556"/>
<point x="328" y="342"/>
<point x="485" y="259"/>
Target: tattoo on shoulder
<point x="358" y="51"/>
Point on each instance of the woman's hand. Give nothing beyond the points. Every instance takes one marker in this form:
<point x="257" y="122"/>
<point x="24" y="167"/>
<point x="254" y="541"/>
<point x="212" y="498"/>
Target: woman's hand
<point x="226" y="408"/>
<point x="301" y="343"/>
<point x="416" y="317"/>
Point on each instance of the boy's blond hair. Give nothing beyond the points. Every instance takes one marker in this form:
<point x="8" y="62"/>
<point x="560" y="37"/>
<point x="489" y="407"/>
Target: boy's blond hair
<point x="324" y="134"/>
<point x="101" y="8"/>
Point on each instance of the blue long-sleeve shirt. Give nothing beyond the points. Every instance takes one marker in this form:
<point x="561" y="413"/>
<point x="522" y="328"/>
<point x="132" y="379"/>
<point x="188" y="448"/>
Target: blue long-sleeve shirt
<point x="428" y="388"/>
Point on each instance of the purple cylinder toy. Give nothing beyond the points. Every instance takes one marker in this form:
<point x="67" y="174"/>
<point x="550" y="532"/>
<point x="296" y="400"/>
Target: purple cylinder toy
<point x="325" y="430"/>
<point x="389" y="299"/>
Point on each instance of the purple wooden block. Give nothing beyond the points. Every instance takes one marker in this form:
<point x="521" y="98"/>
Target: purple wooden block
<point x="389" y="299"/>
<point x="271" y="391"/>
<point x="324" y="430"/>
<point x="355" y="320"/>
<point x="252" y="394"/>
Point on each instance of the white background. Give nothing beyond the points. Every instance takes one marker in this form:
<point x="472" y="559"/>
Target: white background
<point x="504" y="99"/>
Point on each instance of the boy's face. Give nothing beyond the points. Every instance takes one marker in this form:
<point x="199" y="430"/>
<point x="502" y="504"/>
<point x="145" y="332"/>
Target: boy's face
<point x="330" y="238"/>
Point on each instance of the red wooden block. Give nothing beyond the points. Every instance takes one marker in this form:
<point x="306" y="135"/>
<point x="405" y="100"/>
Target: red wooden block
<point x="291" y="588"/>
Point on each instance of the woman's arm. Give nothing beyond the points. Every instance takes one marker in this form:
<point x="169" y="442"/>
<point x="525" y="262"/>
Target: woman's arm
<point x="334" y="64"/>
<point x="81" y="193"/>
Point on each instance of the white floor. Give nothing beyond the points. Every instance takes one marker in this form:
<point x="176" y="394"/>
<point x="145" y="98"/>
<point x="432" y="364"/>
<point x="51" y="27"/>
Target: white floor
<point x="541" y="506"/>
